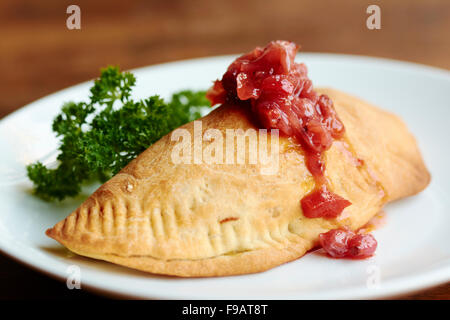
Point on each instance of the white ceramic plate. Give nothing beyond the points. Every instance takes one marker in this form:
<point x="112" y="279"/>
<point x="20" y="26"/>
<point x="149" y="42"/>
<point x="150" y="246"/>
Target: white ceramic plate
<point x="413" y="250"/>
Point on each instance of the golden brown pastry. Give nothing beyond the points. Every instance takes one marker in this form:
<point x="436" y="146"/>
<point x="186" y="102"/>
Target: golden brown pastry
<point x="196" y="220"/>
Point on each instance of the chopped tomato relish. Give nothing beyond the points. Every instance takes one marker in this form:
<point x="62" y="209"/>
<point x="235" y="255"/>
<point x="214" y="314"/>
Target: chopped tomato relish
<point x="281" y="96"/>
<point x="341" y="243"/>
<point x="323" y="203"/>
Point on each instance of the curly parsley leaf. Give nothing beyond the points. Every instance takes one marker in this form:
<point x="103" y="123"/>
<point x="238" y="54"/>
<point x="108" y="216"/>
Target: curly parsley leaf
<point x="98" y="138"/>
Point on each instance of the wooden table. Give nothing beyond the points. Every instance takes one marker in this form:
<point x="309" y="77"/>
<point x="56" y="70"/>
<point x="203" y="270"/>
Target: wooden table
<point x="39" y="55"/>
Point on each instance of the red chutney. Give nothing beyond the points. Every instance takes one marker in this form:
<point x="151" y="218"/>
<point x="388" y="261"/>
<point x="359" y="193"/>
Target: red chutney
<point x="281" y="96"/>
<point x="342" y="243"/>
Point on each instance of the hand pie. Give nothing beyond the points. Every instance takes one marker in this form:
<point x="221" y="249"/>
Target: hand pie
<point x="337" y="161"/>
<point x="195" y="220"/>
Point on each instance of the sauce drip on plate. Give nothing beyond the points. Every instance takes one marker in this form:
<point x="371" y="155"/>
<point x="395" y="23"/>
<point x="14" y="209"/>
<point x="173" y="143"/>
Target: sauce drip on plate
<point x="343" y="243"/>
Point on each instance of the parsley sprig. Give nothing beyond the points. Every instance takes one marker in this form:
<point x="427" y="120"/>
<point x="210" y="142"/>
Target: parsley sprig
<point x="98" y="138"/>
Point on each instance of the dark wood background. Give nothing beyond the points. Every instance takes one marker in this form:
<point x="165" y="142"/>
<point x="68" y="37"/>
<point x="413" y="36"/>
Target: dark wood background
<point x="39" y="55"/>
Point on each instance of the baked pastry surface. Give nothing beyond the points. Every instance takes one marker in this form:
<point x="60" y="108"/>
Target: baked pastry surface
<point x="195" y="220"/>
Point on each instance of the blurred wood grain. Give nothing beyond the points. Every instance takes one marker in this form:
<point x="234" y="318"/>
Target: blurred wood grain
<point x="39" y="55"/>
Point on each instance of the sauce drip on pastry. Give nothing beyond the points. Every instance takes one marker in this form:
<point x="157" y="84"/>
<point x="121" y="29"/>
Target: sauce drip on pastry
<point x="280" y="95"/>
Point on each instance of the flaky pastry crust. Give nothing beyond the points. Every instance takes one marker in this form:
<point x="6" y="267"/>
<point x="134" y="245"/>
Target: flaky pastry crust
<point x="199" y="220"/>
